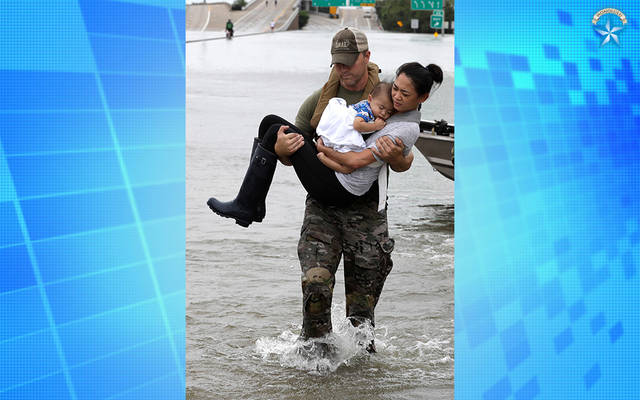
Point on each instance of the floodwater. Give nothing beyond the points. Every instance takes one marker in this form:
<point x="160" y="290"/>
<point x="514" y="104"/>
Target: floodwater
<point x="243" y="285"/>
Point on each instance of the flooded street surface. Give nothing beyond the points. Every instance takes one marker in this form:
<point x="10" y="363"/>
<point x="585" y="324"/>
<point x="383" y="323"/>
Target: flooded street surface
<point x="243" y="285"/>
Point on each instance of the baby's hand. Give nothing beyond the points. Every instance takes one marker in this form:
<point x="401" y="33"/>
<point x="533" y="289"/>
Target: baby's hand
<point x="379" y="123"/>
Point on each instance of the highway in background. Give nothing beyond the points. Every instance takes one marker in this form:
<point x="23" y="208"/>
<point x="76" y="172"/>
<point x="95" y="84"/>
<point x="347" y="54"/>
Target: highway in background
<point x="208" y="20"/>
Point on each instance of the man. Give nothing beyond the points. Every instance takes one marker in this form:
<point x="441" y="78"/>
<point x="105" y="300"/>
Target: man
<point x="229" y="27"/>
<point x="357" y="232"/>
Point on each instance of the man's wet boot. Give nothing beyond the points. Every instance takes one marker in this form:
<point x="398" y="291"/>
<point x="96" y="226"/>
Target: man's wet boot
<point x="357" y="321"/>
<point x="249" y="204"/>
<point x="316" y="348"/>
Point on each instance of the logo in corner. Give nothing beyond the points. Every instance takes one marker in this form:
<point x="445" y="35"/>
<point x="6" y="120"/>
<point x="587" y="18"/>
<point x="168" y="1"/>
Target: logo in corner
<point x="608" y="24"/>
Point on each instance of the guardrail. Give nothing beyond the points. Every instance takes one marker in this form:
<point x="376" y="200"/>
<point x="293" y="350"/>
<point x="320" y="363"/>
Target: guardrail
<point x="289" y="21"/>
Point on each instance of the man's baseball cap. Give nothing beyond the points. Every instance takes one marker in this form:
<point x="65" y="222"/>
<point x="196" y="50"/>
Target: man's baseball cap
<point x="346" y="45"/>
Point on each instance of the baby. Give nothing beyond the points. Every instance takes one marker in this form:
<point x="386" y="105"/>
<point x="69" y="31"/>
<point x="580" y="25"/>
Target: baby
<point x="341" y="127"/>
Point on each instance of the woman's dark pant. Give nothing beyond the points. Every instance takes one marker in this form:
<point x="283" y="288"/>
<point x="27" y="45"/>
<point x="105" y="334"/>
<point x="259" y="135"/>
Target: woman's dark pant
<point x="318" y="180"/>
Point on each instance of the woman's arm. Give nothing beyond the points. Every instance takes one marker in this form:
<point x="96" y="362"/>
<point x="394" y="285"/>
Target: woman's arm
<point x="334" y="165"/>
<point x="351" y="159"/>
<point x="392" y="154"/>
<point x="403" y="164"/>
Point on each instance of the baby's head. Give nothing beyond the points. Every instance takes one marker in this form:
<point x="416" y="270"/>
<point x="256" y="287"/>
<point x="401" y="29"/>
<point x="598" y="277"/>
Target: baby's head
<point x="380" y="100"/>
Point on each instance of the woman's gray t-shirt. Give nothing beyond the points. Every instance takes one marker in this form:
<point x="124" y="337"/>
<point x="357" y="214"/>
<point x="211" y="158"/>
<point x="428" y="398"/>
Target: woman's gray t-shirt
<point x="405" y="126"/>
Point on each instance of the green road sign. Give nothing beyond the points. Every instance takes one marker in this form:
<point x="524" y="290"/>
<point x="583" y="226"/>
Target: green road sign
<point x="362" y="3"/>
<point x="438" y="12"/>
<point x="436" y="21"/>
<point x="426" y="4"/>
<point x="328" y="3"/>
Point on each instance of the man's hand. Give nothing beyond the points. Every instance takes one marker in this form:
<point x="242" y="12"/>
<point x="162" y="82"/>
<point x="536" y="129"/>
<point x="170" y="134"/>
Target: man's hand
<point x="287" y="144"/>
<point x="391" y="153"/>
<point x="321" y="147"/>
<point x="351" y="160"/>
<point x="334" y="165"/>
<point x="323" y="156"/>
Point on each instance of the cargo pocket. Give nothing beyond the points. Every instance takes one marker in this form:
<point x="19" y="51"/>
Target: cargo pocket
<point x="318" y="249"/>
<point x="386" y="246"/>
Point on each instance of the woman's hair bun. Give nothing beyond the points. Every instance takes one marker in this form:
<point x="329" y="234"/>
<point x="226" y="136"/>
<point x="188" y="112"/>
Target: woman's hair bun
<point x="436" y="73"/>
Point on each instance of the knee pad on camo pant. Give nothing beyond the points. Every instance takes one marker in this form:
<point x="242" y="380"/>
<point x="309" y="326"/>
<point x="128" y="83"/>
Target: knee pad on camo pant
<point x="319" y="252"/>
<point x="317" y="294"/>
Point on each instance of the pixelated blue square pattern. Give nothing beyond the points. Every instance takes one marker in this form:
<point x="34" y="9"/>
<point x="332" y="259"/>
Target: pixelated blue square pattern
<point x="92" y="191"/>
<point x="547" y="202"/>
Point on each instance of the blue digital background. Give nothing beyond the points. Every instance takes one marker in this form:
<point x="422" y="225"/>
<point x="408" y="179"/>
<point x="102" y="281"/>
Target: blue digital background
<point x="92" y="196"/>
<point x="547" y="222"/>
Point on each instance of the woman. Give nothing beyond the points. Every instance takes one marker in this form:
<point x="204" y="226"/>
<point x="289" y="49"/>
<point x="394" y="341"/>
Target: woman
<point x="411" y="87"/>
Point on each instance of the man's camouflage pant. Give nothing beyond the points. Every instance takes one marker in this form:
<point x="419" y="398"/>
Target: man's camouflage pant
<point x="358" y="233"/>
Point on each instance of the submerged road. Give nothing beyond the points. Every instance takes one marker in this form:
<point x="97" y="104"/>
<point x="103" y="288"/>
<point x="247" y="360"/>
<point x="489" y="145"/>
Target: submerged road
<point x="259" y="18"/>
<point x="354" y="16"/>
<point x="208" y="21"/>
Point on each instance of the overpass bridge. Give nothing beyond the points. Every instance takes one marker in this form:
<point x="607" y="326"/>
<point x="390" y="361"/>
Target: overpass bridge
<point x="207" y="21"/>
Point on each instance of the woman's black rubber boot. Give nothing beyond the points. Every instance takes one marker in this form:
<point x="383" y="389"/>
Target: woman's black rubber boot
<point x="249" y="204"/>
<point x="256" y="142"/>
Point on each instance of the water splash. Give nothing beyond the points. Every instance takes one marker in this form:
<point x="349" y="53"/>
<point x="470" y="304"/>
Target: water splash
<point x="345" y="346"/>
<point x="432" y="349"/>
